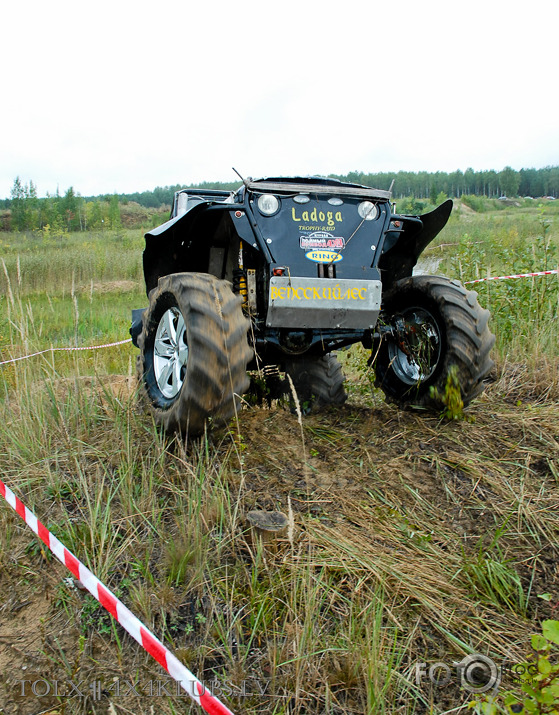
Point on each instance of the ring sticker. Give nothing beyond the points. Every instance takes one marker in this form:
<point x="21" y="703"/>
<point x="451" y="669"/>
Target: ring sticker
<point x="324" y="256"/>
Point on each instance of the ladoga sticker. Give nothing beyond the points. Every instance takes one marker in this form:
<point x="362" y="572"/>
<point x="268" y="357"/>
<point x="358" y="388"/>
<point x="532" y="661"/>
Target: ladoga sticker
<point x="315" y="216"/>
<point x="324" y="256"/>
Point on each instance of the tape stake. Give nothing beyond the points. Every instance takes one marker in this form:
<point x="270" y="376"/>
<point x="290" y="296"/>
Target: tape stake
<point x="142" y="635"/>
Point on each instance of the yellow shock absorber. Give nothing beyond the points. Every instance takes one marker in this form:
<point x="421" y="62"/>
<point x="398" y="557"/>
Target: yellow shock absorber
<point x="242" y="277"/>
<point x="243" y="289"/>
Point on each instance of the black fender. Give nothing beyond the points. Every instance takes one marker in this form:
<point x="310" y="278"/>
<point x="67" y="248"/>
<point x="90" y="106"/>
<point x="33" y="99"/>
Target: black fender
<point x="401" y="253"/>
<point x="183" y="244"/>
<point x="433" y="224"/>
<point x="165" y="245"/>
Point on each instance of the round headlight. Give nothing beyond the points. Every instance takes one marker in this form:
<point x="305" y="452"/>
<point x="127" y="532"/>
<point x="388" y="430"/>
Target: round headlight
<point x="367" y="210"/>
<point x="268" y="204"/>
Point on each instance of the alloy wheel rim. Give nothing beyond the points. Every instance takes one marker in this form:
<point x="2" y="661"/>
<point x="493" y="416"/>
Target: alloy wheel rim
<point x="170" y="353"/>
<point x="415" y="357"/>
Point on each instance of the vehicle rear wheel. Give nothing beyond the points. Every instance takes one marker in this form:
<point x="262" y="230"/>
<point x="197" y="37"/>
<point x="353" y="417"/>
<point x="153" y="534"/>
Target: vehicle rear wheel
<point x="318" y="381"/>
<point x="436" y="324"/>
<point x="194" y="352"/>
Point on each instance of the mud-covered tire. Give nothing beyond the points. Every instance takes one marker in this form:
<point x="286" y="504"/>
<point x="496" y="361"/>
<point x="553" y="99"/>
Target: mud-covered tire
<point x="444" y="326"/>
<point x="194" y="353"/>
<point x="318" y="381"/>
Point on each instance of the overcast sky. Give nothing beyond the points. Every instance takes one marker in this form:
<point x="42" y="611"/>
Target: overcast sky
<point x="124" y="96"/>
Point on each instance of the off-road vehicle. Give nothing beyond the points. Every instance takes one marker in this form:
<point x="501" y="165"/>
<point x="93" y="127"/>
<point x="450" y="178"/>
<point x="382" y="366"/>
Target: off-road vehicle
<point x="278" y="275"/>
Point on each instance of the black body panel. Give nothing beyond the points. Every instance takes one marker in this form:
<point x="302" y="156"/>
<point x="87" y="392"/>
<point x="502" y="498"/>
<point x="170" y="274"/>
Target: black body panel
<point x="406" y="239"/>
<point x="322" y="229"/>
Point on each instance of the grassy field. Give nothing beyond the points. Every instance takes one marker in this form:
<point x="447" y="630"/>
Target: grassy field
<point x="412" y="540"/>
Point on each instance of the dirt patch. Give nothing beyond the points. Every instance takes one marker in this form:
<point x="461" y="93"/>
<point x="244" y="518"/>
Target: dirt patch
<point x="465" y="209"/>
<point x="33" y="624"/>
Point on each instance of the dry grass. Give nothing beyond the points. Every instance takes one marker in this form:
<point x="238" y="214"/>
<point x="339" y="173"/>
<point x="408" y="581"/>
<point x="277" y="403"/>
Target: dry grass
<point x="411" y="539"/>
<point x="414" y="540"/>
<point x="534" y="380"/>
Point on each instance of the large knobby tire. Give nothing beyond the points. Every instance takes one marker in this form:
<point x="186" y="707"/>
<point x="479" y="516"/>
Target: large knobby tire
<point x="318" y="381"/>
<point x="194" y="353"/>
<point x="437" y="324"/>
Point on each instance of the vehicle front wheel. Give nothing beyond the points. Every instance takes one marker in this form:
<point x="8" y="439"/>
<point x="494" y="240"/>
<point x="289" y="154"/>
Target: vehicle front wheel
<point x="194" y="352"/>
<point x="436" y="325"/>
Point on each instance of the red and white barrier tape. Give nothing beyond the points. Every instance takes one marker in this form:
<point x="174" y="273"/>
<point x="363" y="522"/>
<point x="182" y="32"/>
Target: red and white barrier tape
<point x="518" y="275"/>
<point x="189" y="682"/>
<point x="54" y="350"/>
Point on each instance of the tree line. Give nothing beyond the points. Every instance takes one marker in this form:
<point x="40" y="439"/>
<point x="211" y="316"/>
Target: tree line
<point x="492" y="184"/>
<point x="72" y="212"/>
<point x="420" y="185"/>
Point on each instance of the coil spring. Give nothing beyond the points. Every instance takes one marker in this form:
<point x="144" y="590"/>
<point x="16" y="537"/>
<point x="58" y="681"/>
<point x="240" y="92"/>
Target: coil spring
<point x="240" y="285"/>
